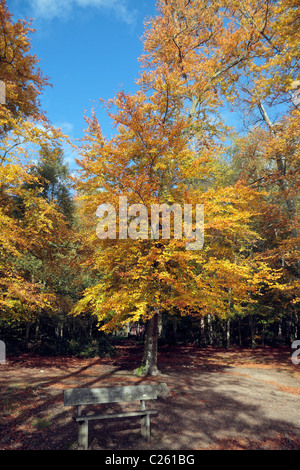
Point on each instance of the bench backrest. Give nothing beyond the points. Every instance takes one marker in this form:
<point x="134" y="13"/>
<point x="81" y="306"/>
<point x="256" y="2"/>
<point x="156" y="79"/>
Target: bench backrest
<point x="90" y="396"/>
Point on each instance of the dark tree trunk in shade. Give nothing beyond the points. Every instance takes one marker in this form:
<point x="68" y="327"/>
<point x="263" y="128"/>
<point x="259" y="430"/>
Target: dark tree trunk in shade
<point x="149" y="361"/>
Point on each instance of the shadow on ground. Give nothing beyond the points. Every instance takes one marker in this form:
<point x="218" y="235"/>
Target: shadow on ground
<point x="217" y="400"/>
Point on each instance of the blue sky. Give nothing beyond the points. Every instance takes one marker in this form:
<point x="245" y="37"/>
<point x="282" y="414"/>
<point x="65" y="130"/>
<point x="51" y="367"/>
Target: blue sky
<point x="89" y="49"/>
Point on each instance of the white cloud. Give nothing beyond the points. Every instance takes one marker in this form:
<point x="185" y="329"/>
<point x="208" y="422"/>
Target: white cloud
<point x="49" y="9"/>
<point x="66" y="127"/>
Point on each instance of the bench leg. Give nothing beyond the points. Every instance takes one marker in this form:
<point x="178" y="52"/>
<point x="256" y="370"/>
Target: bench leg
<point x="83" y="435"/>
<point x="145" y="427"/>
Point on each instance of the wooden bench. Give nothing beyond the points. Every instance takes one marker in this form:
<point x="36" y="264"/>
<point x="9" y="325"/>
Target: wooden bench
<point x="97" y="396"/>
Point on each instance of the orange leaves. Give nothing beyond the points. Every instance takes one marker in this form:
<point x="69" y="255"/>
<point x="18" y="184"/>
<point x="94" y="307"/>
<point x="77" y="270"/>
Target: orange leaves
<point x="23" y="79"/>
<point x="167" y="150"/>
<point x="22" y="298"/>
<point x="28" y="222"/>
<point x="33" y="231"/>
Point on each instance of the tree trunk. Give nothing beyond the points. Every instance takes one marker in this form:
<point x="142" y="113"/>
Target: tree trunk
<point x="210" y="332"/>
<point x="149" y="362"/>
<point x="252" y="325"/>
<point x="263" y="333"/>
<point x="295" y="325"/>
<point x="279" y="334"/>
<point x="174" y="323"/>
<point x="228" y="333"/>
<point x="37" y="328"/>
<point x="239" y="332"/>
<point x="27" y="332"/>
<point x="202" y="332"/>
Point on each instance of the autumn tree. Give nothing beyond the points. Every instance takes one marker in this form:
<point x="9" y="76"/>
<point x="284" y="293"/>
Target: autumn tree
<point x="269" y="152"/>
<point x="54" y="179"/>
<point x="26" y="223"/>
<point x="19" y="71"/>
<point x="169" y="136"/>
<point x="265" y="87"/>
<point x="31" y="224"/>
<point x="40" y="242"/>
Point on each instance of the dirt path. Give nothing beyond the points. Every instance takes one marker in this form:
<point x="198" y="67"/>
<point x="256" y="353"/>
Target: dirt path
<point x="218" y="399"/>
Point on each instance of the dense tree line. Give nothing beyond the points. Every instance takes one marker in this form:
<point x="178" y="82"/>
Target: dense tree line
<point x="65" y="291"/>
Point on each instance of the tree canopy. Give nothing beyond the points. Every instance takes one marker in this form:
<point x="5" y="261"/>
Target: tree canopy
<point x="172" y="148"/>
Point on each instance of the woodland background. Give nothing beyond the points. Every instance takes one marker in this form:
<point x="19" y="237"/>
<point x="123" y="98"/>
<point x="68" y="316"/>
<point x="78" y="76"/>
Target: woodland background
<point x="59" y="283"/>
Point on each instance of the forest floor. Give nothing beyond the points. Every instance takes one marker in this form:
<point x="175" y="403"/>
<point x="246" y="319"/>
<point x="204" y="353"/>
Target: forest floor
<point x="219" y="399"/>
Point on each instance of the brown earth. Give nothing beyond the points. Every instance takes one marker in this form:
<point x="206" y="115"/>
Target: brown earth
<point x="219" y="399"/>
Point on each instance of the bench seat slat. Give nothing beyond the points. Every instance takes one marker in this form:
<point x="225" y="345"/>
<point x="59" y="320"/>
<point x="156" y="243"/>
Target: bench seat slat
<point x="90" y="396"/>
<point x="127" y="414"/>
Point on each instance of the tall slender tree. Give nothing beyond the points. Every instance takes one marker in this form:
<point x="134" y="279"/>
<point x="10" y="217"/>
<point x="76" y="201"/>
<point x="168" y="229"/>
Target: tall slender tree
<point x="29" y="222"/>
<point x="19" y="71"/>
